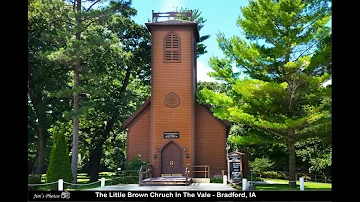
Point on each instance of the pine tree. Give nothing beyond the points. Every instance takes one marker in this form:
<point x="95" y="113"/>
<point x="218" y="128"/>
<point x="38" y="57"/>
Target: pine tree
<point x="287" y="55"/>
<point x="59" y="167"/>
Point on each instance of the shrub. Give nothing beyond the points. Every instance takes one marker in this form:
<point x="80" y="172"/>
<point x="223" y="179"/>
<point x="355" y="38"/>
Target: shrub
<point x="59" y="167"/>
<point x="125" y="180"/>
<point x="306" y="177"/>
<point x="272" y="175"/>
<point x="136" y="163"/>
<point x="34" y="179"/>
<point x="216" y="179"/>
<point x="260" y="165"/>
<point x="131" y="174"/>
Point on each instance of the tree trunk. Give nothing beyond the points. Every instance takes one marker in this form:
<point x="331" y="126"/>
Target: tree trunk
<point x="74" y="160"/>
<point x="95" y="157"/>
<point x="292" y="162"/>
<point x="41" y="128"/>
<point x="40" y="157"/>
<point x="75" y="147"/>
<point x="97" y="151"/>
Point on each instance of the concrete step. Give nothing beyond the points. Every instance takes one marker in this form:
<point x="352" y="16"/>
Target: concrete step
<point x="172" y="180"/>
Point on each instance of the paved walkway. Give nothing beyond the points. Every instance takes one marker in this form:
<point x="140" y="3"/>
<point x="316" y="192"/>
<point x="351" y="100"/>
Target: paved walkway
<point x="192" y="187"/>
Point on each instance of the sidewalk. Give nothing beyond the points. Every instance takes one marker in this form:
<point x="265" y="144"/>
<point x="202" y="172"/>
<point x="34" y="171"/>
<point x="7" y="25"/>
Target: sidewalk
<point x="192" y="187"/>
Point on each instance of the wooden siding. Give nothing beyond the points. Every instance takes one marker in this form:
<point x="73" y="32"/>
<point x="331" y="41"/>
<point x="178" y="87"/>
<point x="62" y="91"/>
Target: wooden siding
<point x="194" y="83"/>
<point x="138" y="136"/>
<point x="210" y="141"/>
<point x="171" y="77"/>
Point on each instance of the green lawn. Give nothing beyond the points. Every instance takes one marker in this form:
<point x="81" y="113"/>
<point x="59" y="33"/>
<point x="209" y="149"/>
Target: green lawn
<point x="283" y="186"/>
<point x="82" y="179"/>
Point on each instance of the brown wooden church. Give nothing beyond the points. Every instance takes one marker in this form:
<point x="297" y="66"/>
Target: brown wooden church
<point x="171" y="130"/>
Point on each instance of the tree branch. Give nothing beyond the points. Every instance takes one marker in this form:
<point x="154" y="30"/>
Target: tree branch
<point x="92" y="5"/>
<point x="304" y="51"/>
<point x="303" y="136"/>
<point x="271" y="131"/>
<point x="321" y="68"/>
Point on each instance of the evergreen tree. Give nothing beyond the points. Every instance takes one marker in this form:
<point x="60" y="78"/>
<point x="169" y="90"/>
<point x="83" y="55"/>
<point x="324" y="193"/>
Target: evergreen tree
<point x="59" y="167"/>
<point x="286" y="54"/>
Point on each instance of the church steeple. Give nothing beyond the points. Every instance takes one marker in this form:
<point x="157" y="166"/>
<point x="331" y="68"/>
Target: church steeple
<point x="173" y="66"/>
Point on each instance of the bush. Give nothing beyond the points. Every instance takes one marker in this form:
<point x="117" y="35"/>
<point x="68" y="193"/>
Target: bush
<point x="216" y="179"/>
<point x="136" y="163"/>
<point x="260" y="165"/>
<point x="131" y="174"/>
<point x="273" y="175"/>
<point x="59" y="167"/>
<point x="306" y="177"/>
<point x="125" y="180"/>
<point x="34" y="179"/>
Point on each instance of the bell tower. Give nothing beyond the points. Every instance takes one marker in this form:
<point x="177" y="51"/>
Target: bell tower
<point x="173" y="85"/>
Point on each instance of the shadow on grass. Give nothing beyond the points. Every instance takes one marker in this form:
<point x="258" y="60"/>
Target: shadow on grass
<point x="284" y="187"/>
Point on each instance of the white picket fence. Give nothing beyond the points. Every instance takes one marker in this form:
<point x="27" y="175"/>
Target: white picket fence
<point x="61" y="183"/>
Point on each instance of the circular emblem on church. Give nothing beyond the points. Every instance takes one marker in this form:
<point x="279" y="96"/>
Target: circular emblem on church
<point x="172" y="100"/>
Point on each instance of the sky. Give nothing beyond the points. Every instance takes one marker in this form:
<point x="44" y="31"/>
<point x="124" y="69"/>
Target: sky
<point x="221" y="17"/>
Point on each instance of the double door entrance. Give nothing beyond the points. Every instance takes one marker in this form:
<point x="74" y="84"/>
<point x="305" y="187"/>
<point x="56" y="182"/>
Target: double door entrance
<point x="171" y="160"/>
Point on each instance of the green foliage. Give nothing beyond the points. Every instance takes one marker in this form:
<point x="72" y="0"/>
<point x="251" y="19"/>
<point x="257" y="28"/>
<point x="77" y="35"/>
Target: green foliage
<point x="114" y="53"/>
<point x="126" y="177"/>
<point x="131" y="174"/>
<point x="133" y="179"/>
<point x="214" y="86"/>
<point x="34" y="179"/>
<point x="196" y="16"/>
<point x="216" y="179"/>
<point x="45" y="78"/>
<point x="274" y="175"/>
<point x="59" y="167"/>
<point x="136" y="163"/>
<point x="286" y="53"/>
<point x="260" y="165"/>
<point x="114" y="152"/>
<point x="317" y="154"/>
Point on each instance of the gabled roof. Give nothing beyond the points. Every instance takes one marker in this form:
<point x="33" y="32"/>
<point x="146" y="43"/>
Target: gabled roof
<point x="148" y="101"/>
<point x="136" y="113"/>
<point x="227" y="123"/>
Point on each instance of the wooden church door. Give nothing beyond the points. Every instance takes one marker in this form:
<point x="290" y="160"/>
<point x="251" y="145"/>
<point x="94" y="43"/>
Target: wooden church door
<point x="171" y="160"/>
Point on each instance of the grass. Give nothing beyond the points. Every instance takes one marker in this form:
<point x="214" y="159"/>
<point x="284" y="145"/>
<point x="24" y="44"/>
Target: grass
<point x="82" y="180"/>
<point x="284" y="186"/>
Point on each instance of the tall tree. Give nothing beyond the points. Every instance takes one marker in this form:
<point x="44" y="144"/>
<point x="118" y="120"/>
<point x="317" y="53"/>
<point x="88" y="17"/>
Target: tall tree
<point x="77" y="68"/>
<point x="114" y="84"/>
<point x="45" y="19"/>
<point x="284" y="55"/>
<point x="93" y="40"/>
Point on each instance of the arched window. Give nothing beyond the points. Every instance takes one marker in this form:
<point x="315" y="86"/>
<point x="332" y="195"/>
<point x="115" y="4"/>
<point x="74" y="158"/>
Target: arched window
<point x="172" y="47"/>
